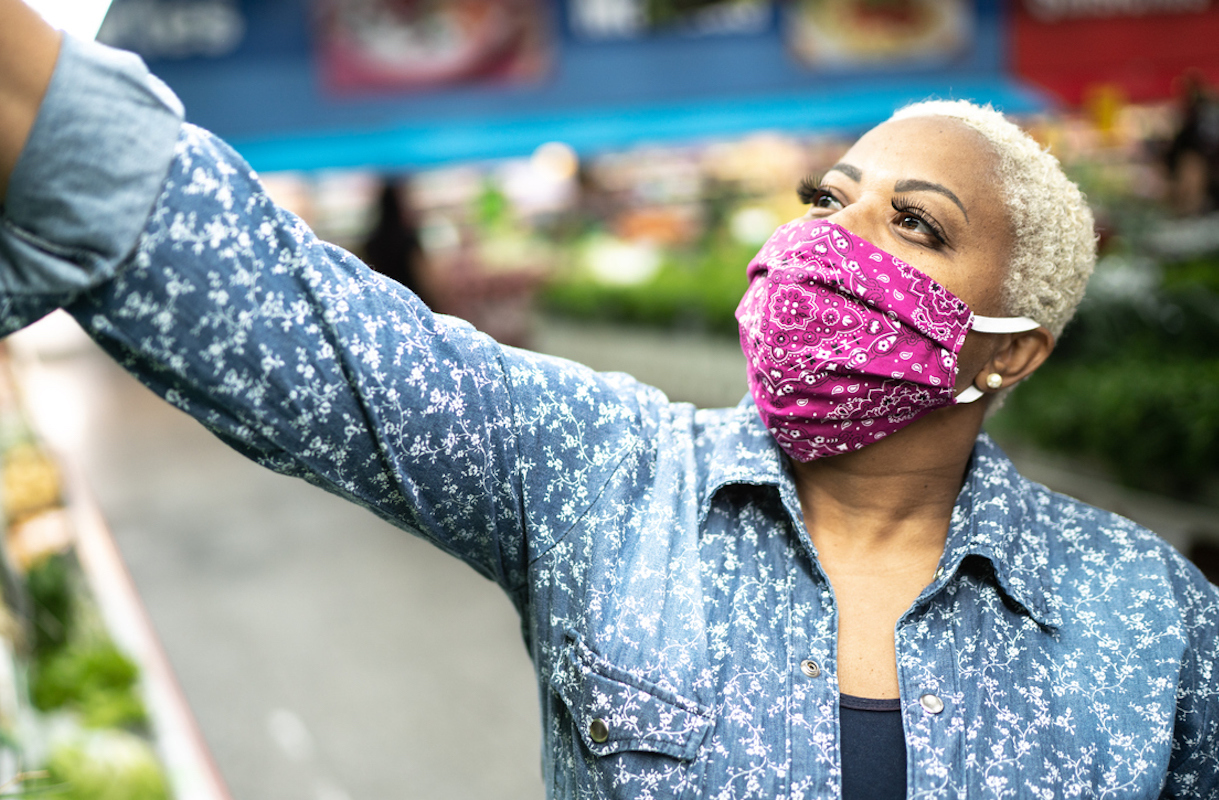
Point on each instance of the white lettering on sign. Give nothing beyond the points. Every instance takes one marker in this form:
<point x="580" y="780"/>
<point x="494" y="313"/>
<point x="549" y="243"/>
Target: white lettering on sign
<point x="174" y="28"/>
<point x="1054" y="10"/>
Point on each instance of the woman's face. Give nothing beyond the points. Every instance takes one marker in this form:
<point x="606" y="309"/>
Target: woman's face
<point x="925" y="190"/>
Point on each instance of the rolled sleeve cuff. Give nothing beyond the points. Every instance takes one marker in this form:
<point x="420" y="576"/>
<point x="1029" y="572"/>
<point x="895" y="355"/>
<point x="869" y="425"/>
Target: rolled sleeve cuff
<point x="84" y="186"/>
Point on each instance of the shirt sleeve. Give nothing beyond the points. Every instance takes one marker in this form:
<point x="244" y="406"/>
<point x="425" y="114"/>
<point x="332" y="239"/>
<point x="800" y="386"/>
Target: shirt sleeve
<point x="86" y="180"/>
<point x="1194" y="767"/>
<point x="292" y="351"/>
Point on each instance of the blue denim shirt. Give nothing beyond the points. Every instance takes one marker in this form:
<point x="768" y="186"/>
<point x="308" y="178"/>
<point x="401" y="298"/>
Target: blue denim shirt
<point x="669" y="594"/>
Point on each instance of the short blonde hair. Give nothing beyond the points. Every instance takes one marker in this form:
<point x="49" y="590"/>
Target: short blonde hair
<point x="1053" y="237"/>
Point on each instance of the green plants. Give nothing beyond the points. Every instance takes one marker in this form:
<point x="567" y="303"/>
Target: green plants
<point x="52" y="604"/>
<point x="99" y="765"/>
<point x="94" y="679"/>
<point x="1134" y="384"/>
<point x="74" y="663"/>
<point x="698" y="288"/>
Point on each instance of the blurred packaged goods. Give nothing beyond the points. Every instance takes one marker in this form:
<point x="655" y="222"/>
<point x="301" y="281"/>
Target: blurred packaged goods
<point x="30" y="482"/>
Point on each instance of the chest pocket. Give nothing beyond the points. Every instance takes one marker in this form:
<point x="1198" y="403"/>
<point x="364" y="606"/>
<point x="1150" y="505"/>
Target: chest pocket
<point x="638" y="738"/>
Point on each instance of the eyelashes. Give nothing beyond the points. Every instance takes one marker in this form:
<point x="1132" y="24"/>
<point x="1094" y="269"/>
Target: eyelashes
<point x="909" y="207"/>
<point x="910" y="214"/>
<point x="809" y="188"/>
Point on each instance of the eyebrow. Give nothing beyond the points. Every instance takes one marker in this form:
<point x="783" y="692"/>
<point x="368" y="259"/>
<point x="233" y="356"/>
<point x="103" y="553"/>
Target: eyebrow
<point x="854" y="173"/>
<point x="907" y="185"/>
<point x="915" y="185"/>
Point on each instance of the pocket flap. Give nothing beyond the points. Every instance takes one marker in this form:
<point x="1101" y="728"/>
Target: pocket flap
<point x="616" y="711"/>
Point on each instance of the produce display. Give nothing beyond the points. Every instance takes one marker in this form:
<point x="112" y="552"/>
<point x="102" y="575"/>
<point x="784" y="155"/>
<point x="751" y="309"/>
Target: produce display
<point x="73" y="722"/>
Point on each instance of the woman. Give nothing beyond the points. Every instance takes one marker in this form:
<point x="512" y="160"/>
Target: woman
<point x="838" y="588"/>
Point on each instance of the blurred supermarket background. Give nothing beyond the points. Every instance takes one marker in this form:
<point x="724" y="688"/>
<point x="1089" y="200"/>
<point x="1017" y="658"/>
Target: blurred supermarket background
<point x="589" y="178"/>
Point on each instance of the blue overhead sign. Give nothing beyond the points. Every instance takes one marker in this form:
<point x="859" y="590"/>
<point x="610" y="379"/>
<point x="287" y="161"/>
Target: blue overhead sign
<point x="328" y="83"/>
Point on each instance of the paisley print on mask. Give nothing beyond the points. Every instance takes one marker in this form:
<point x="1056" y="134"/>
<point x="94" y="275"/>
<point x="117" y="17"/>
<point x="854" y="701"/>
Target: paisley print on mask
<point x="844" y="343"/>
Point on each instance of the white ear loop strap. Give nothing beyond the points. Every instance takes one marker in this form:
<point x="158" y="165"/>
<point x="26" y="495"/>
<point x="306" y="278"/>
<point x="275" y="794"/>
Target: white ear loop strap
<point x="995" y="325"/>
<point x="1004" y="324"/>
<point x="969" y="394"/>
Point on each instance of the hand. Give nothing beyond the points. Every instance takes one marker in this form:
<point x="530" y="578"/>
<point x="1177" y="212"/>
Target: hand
<point x="29" y="48"/>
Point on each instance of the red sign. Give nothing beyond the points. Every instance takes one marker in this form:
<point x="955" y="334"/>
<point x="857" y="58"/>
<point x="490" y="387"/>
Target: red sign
<point x="409" y="44"/>
<point x="1142" y="47"/>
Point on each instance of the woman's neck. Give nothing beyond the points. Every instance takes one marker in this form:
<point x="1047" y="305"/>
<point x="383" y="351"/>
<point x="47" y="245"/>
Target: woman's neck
<point x="893" y="498"/>
<point x="879" y="519"/>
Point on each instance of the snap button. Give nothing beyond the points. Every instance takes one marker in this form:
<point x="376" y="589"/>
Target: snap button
<point x="939" y="573"/>
<point x="931" y="703"/>
<point x="598" y="730"/>
<point x="810" y="668"/>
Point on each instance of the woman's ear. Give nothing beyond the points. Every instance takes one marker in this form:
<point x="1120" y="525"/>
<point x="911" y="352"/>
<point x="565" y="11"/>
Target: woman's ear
<point x="1015" y="359"/>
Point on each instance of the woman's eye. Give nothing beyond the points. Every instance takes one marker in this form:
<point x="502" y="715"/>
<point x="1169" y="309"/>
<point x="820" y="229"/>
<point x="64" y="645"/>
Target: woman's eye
<point x="915" y="224"/>
<point x="824" y="199"/>
<point x="813" y="195"/>
<point x="909" y="217"/>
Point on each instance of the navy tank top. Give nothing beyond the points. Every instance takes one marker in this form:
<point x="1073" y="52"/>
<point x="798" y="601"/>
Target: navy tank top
<point x="873" y="749"/>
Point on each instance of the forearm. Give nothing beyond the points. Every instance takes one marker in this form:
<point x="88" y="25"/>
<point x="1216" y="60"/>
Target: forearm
<point x="28" y="49"/>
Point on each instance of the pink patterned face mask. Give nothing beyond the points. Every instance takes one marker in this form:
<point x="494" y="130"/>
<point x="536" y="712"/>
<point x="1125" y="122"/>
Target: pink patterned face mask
<point x="846" y="344"/>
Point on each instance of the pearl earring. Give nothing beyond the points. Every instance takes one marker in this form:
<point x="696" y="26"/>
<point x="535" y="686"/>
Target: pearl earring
<point x="994" y="380"/>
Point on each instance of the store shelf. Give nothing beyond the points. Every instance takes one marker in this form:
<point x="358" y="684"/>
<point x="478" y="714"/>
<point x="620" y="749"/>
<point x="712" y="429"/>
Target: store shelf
<point x="174" y="735"/>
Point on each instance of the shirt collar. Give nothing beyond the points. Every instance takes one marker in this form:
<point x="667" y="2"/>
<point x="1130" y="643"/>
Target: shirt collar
<point x="735" y="448"/>
<point x="995" y="516"/>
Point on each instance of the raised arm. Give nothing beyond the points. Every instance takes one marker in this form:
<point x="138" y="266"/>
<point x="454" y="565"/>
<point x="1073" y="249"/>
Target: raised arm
<point x="28" y="49"/>
<point x="161" y="242"/>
